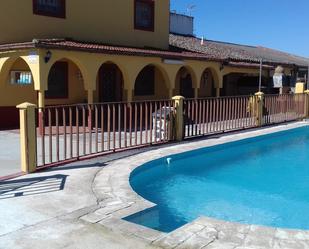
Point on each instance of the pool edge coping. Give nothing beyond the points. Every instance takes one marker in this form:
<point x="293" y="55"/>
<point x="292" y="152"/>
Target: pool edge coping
<point x="117" y="200"/>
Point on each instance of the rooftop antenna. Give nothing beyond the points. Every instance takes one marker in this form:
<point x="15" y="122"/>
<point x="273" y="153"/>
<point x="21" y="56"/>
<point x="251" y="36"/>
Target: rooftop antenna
<point x="190" y="9"/>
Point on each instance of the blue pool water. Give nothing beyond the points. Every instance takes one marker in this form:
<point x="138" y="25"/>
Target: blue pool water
<point x="262" y="181"/>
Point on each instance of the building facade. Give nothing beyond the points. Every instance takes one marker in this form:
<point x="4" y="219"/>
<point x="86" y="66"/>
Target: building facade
<point x="56" y="52"/>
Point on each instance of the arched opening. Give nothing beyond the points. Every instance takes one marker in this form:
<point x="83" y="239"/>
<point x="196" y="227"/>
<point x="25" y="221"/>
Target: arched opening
<point x="110" y="83"/>
<point x="207" y="84"/>
<point x="16" y="87"/>
<point x="235" y="84"/>
<point x="150" y="84"/>
<point x="184" y="83"/>
<point x="65" y="84"/>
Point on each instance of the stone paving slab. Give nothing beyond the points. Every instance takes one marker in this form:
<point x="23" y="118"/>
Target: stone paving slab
<point x="113" y="183"/>
<point x="86" y="208"/>
<point x="68" y="234"/>
<point x="45" y="210"/>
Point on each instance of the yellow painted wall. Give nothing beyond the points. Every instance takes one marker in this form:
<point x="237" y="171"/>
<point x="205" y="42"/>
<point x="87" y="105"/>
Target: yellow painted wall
<point x="90" y="63"/>
<point x="14" y="94"/>
<point x="104" y="21"/>
<point x="130" y="66"/>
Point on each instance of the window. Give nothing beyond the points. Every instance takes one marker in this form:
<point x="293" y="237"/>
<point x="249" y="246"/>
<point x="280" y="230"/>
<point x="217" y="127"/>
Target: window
<point x="144" y="15"/>
<point x="21" y="78"/>
<point x="58" y="81"/>
<point x="53" y="8"/>
<point x="145" y="81"/>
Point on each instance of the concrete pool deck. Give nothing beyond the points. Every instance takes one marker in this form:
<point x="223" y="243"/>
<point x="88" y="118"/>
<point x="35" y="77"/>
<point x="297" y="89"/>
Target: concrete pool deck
<point x="80" y="205"/>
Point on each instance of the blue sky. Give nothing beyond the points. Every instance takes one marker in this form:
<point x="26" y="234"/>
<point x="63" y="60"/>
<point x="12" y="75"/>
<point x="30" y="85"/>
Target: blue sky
<point x="279" y="24"/>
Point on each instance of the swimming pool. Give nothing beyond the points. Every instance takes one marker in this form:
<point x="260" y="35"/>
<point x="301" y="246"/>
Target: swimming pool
<point x="262" y="181"/>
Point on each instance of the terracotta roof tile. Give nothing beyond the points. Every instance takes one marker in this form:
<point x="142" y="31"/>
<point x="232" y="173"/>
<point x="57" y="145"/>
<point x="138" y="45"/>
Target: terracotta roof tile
<point x="236" y="52"/>
<point x="181" y="47"/>
<point x="172" y="53"/>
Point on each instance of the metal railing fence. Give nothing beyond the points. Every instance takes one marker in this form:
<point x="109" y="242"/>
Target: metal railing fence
<point x="284" y="108"/>
<point x="72" y="132"/>
<point x="216" y="115"/>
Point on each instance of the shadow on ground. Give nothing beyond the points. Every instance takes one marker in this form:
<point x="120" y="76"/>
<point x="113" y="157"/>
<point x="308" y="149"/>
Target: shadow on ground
<point x="32" y="186"/>
<point x="77" y="166"/>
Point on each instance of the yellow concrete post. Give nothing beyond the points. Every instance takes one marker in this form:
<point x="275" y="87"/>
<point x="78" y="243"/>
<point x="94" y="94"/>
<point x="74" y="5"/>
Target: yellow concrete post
<point x="179" y="120"/>
<point x="41" y="99"/>
<point x="195" y="93"/>
<point x="259" y="106"/>
<point x="170" y="93"/>
<point x="130" y="95"/>
<point x="307" y="103"/>
<point x="299" y="87"/>
<point x="217" y="92"/>
<point x="90" y="97"/>
<point x="27" y="137"/>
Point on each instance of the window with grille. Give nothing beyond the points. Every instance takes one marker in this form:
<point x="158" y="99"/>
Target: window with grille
<point x="53" y="8"/>
<point x="21" y="78"/>
<point x="144" y="15"/>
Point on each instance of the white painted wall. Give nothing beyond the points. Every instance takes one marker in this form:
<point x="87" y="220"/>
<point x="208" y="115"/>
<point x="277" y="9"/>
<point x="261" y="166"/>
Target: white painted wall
<point x="181" y="24"/>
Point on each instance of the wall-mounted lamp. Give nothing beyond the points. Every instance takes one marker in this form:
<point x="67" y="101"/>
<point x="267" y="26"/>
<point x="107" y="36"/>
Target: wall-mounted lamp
<point x="48" y="56"/>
